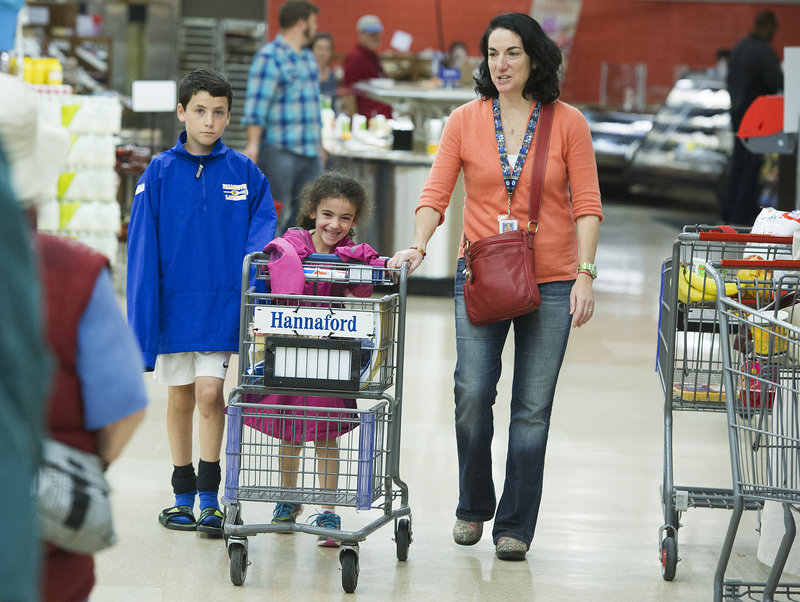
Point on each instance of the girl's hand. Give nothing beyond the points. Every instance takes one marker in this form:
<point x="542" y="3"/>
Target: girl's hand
<point x="581" y="300"/>
<point x="412" y="256"/>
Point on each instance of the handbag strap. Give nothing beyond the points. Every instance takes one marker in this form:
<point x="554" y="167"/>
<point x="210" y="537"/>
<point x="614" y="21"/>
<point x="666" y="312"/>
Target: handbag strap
<point x="539" y="163"/>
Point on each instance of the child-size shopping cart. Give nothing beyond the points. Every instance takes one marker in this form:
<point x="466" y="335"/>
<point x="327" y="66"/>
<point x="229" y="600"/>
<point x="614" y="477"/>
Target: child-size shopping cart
<point x="760" y="345"/>
<point x="689" y="362"/>
<point x="317" y="347"/>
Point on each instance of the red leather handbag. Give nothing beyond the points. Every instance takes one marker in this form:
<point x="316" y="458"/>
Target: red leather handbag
<point x="500" y="275"/>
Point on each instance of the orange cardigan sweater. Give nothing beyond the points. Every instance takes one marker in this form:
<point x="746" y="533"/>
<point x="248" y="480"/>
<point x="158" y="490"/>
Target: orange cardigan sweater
<point x="571" y="188"/>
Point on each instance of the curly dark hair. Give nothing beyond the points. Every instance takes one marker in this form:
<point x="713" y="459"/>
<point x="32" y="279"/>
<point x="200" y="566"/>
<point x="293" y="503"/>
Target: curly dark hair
<point x="542" y="84"/>
<point x="331" y="185"/>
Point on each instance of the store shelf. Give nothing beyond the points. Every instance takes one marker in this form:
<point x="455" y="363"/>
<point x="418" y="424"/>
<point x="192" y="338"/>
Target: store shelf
<point x="686" y="153"/>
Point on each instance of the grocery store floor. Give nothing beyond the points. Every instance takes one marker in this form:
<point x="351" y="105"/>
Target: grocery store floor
<point x="597" y="537"/>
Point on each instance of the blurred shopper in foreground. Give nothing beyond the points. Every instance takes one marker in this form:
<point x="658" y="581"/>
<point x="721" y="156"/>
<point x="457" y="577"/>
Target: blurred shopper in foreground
<point x="97" y="395"/>
<point x="23" y="386"/>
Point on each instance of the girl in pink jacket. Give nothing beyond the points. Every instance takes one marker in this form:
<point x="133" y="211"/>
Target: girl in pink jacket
<point x="331" y="206"/>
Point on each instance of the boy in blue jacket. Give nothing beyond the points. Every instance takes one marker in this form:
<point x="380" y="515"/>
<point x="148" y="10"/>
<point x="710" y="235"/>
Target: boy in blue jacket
<point x="198" y="209"/>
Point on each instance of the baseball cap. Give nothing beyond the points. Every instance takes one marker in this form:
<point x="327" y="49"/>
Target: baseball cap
<point x="369" y="24"/>
<point x="36" y="152"/>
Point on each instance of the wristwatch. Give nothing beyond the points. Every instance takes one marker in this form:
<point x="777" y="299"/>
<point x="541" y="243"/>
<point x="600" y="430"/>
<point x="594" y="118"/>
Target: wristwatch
<point x="588" y="268"/>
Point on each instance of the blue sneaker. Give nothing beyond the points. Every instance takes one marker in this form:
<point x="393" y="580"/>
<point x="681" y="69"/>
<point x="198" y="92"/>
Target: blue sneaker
<point x="327" y="520"/>
<point x="286" y="514"/>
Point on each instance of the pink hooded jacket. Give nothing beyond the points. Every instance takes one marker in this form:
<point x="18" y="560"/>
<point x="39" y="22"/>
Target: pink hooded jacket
<point x="287" y="278"/>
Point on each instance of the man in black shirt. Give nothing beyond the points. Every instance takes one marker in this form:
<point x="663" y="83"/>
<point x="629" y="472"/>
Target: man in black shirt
<point x="753" y="70"/>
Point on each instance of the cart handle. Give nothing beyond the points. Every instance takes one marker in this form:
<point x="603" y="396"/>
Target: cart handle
<point x="736" y="237"/>
<point x="324" y="257"/>
<point x="776" y="264"/>
<point x="333" y="258"/>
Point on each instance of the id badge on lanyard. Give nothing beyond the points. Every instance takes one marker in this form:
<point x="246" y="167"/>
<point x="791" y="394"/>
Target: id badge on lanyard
<point x="505" y="221"/>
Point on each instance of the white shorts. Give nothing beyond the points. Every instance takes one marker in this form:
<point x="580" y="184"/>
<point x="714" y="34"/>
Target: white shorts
<point x="177" y="369"/>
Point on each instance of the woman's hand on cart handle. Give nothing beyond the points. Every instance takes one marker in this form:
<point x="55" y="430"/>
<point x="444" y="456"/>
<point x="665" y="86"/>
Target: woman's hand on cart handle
<point x="412" y="256"/>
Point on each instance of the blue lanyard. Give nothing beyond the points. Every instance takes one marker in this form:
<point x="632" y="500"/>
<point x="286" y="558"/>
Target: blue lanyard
<point x="510" y="177"/>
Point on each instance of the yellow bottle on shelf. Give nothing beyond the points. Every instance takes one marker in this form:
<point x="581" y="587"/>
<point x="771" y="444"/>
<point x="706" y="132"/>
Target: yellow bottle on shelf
<point x="28" y="75"/>
<point x="40" y="71"/>
<point x="55" y="72"/>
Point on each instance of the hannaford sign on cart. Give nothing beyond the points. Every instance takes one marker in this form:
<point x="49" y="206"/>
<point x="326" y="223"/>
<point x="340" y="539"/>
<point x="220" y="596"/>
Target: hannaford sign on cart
<point x="313" y="321"/>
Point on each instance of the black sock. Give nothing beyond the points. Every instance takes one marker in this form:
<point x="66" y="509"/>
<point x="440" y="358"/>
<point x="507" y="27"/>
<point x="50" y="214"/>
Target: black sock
<point x="184" y="486"/>
<point x="209" y="476"/>
<point x="183" y="479"/>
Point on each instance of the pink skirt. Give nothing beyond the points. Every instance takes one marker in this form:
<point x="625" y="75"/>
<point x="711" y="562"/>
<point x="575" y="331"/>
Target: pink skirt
<point x="300" y="425"/>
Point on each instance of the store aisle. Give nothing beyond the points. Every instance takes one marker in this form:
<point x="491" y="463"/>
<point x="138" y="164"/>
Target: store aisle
<point x="597" y="537"/>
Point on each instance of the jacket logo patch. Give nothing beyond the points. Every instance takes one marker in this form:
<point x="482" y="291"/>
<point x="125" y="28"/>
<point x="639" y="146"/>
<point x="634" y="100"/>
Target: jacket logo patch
<point x="139" y="189"/>
<point x="235" y="192"/>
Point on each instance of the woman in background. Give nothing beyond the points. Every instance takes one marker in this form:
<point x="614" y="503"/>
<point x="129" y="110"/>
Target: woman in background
<point x="322" y="47"/>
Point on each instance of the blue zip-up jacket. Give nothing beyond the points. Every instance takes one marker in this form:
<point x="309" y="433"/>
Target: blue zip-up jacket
<point x="193" y="219"/>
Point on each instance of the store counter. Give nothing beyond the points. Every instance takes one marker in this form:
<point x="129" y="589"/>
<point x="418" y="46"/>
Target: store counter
<point x="394" y="181"/>
<point x="421" y="101"/>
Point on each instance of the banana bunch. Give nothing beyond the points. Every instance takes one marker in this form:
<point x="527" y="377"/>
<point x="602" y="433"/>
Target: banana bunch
<point x="694" y="288"/>
<point x="755" y="282"/>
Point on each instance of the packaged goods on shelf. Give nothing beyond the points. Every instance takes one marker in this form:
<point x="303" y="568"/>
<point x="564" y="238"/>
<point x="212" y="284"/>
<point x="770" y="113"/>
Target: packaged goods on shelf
<point x="89" y="216"/>
<point x="82" y="114"/>
<point x="88" y="184"/>
<point x="84" y="203"/>
<point x="48" y="216"/>
<point x="92" y="150"/>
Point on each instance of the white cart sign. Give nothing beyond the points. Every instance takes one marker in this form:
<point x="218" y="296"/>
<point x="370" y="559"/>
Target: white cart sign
<point x="313" y="321"/>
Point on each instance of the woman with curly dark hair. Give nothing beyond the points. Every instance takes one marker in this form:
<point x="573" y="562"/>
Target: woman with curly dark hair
<point x="489" y="139"/>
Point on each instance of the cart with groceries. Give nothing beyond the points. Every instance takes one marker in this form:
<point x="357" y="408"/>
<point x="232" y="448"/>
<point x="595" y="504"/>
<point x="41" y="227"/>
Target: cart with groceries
<point x="312" y="347"/>
<point x="760" y="348"/>
<point x="688" y="358"/>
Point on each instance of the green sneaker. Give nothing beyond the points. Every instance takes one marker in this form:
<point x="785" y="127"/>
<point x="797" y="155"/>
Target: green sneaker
<point x="285" y="514"/>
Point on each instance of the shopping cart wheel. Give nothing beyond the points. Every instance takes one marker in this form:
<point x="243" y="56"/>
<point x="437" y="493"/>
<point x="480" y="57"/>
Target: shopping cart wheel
<point x="402" y="537"/>
<point x="238" y="554"/>
<point x="669" y="558"/>
<point x="348" y="558"/>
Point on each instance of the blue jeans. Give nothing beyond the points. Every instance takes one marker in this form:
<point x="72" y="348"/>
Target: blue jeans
<point x="540" y="340"/>
<point x="287" y="173"/>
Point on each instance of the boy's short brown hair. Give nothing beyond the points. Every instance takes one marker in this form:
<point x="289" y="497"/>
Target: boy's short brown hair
<point x="204" y="80"/>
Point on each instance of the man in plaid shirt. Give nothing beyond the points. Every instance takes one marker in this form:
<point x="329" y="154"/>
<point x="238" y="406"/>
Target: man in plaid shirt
<point x="282" y="109"/>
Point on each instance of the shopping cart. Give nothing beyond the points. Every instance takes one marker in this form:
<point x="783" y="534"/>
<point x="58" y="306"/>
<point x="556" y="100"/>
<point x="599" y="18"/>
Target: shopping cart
<point x="761" y="359"/>
<point x="688" y="359"/>
<point x="318" y="346"/>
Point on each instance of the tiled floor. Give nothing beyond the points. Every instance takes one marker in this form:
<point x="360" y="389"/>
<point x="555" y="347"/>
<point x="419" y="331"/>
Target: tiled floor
<point x="598" y="529"/>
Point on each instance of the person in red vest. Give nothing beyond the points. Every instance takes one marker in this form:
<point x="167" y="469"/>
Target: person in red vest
<point x="97" y="397"/>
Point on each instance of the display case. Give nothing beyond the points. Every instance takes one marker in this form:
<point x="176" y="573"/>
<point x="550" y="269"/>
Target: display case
<point x="686" y="153"/>
<point x="615" y="136"/>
